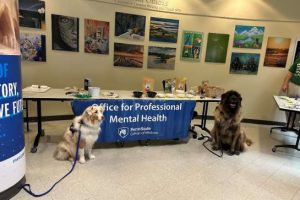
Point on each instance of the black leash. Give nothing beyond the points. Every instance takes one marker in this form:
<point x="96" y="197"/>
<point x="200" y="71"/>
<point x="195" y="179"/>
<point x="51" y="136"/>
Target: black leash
<point x="27" y="186"/>
<point x="209" y="139"/>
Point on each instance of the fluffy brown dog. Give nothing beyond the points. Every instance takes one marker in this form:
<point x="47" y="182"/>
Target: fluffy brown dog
<point x="89" y="125"/>
<point x="227" y="133"/>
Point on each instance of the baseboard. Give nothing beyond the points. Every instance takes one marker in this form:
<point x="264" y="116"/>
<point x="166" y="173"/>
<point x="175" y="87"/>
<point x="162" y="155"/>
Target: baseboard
<point x="252" y="121"/>
<point x="69" y="117"/>
<point x="50" y="118"/>
<point x="12" y="191"/>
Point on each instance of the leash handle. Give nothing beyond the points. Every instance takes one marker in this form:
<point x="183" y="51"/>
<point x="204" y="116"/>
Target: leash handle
<point x="27" y="186"/>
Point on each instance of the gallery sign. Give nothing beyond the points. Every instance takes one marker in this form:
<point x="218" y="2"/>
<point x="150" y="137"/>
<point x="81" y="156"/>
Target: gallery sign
<point x="159" y="5"/>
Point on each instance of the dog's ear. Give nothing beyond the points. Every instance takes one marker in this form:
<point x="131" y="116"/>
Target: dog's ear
<point x="89" y="110"/>
<point x="224" y="97"/>
<point x="101" y="108"/>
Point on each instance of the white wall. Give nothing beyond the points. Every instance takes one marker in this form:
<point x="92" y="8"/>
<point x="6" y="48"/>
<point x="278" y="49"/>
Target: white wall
<point x="70" y="68"/>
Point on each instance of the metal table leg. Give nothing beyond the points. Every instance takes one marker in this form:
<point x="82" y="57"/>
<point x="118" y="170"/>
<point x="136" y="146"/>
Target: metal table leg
<point x="40" y="130"/>
<point x="204" y="117"/>
<point x="287" y="128"/>
<point x="288" y="145"/>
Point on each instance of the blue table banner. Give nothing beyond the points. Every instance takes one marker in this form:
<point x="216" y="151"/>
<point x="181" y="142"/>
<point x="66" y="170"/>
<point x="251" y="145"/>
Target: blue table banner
<point x="141" y="119"/>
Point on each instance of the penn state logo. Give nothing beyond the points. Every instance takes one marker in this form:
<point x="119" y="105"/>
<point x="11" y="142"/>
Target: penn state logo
<point x="123" y="132"/>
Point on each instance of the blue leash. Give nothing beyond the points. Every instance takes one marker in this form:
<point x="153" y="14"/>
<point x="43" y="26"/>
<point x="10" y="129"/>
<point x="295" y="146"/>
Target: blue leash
<point x="27" y="186"/>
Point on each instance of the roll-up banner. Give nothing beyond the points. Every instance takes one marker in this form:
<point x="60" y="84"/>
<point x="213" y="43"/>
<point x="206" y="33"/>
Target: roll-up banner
<point x="12" y="148"/>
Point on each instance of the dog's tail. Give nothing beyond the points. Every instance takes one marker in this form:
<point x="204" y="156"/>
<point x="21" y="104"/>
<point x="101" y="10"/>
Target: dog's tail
<point x="248" y="142"/>
<point x="61" y="153"/>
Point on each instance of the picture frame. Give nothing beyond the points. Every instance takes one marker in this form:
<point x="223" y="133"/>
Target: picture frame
<point x="191" y="46"/>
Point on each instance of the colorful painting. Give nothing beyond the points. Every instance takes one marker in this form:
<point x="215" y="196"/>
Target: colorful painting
<point x="163" y="30"/>
<point x="32" y="14"/>
<point x="96" y="36"/>
<point x="128" y="55"/>
<point x="216" y="49"/>
<point x="130" y="26"/>
<point x="191" y="45"/>
<point x="33" y="47"/>
<point x="297" y="50"/>
<point x="244" y="63"/>
<point x="65" y="33"/>
<point x="161" y="57"/>
<point x="277" y="51"/>
<point x="250" y="37"/>
<point x="9" y="28"/>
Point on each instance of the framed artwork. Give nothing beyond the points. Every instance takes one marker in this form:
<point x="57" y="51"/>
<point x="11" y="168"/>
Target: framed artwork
<point x="217" y="45"/>
<point x="191" y="46"/>
<point x="32" y="14"/>
<point x="33" y="47"/>
<point x="244" y="63"/>
<point x="130" y="26"/>
<point x="161" y="57"/>
<point x="65" y="33"/>
<point x="128" y="55"/>
<point x="297" y="50"/>
<point x="277" y="51"/>
<point x="250" y="37"/>
<point x="163" y="30"/>
<point x="96" y="36"/>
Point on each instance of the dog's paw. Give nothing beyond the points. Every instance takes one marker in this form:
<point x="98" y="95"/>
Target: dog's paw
<point x="215" y="147"/>
<point x="81" y="161"/>
<point x="92" y="157"/>
<point x="231" y="153"/>
<point x="237" y="152"/>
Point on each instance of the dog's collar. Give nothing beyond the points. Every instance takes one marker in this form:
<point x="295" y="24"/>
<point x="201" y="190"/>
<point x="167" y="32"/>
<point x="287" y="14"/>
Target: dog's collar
<point x="82" y="123"/>
<point x="87" y="125"/>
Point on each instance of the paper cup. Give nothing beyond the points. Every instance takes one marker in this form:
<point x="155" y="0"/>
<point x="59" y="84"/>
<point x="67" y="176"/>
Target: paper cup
<point x="94" y="91"/>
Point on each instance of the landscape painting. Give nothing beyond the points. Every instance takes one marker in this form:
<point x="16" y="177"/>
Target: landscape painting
<point x="277" y="51"/>
<point x="130" y="26"/>
<point x="96" y="36"/>
<point x="33" y="47"/>
<point x="216" y="49"/>
<point x="32" y="14"/>
<point x="161" y="57"/>
<point x="128" y="55"/>
<point x="191" y="46"/>
<point x="163" y="30"/>
<point x="250" y="37"/>
<point x="244" y="63"/>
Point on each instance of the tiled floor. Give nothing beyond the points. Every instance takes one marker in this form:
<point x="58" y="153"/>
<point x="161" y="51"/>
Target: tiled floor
<point x="173" y="170"/>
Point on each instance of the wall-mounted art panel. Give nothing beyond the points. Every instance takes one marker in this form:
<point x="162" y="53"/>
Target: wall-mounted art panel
<point x="191" y="46"/>
<point x="32" y="14"/>
<point x="250" y="37"/>
<point x="163" y="30"/>
<point x="96" y="36"/>
<point x="130" y="26"/>
<point x="128" y="55"/>
<point x="277" y="51"/>
<point x="65" y="33"/>
<point x="33" y="47"/>
<point x="161" y="57"/>
<point x="216" y="49"/>
<point x="297" y="50"/>
<point x="244" y="63"/>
